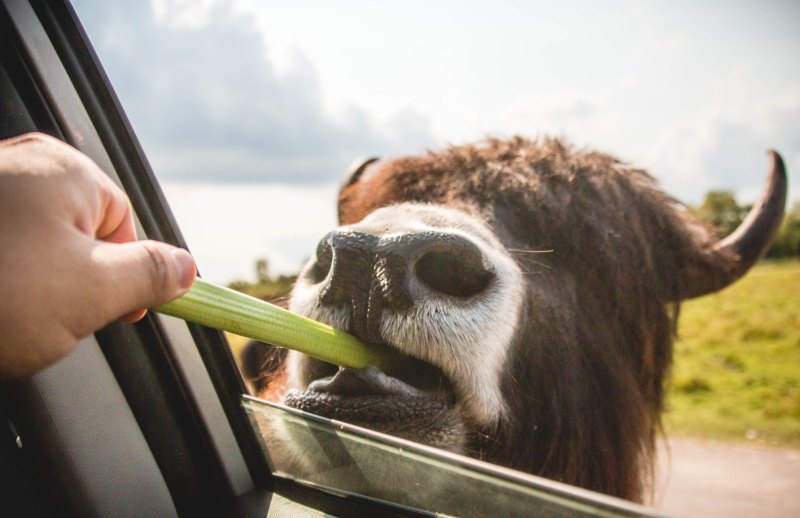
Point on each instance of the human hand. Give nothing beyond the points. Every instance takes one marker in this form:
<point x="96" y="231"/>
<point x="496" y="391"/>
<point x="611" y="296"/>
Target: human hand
<point x="69" y="259"/>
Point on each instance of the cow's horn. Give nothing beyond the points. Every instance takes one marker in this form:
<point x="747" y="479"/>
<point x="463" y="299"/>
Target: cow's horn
<point x="354" y="172"/>
<point x="732" y="257"/>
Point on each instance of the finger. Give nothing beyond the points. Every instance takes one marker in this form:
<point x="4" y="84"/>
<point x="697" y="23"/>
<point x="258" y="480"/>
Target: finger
<point x="119" y="227"/>
<point x="133" y="316"/>
<point x="136" y="275"/>
<point x="115" y="223"/>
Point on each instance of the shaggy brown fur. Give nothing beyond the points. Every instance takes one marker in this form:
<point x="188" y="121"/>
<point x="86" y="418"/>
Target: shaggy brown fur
<point x="606" y="256"/>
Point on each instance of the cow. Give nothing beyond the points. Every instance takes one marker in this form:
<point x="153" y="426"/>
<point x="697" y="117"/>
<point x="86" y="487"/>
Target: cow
<point x="535" y="290"/>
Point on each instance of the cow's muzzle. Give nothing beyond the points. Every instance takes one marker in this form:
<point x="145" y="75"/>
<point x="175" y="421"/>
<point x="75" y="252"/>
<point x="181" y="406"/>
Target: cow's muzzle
<point x="369" y="273"/>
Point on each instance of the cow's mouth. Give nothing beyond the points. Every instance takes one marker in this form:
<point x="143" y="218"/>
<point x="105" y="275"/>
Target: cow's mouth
<point x="400" y="399"/>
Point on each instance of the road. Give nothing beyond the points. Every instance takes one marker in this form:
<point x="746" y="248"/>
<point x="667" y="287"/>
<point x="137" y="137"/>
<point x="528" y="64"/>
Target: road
<point x="715" y="480"/>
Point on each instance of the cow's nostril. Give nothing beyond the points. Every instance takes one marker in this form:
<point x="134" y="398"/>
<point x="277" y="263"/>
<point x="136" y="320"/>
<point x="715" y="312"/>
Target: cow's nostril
<point x="322" y="264"/>
<point x="457" y="271"/>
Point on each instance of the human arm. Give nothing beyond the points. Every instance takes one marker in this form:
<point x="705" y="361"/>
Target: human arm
<point x="69" y="259"/>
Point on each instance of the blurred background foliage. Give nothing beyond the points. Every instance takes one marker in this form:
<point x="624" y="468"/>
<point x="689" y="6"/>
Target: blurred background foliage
<point x="720" y="209"/>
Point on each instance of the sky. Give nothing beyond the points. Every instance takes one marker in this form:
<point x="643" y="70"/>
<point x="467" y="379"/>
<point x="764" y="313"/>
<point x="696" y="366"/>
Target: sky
<point x="251" y="110"/>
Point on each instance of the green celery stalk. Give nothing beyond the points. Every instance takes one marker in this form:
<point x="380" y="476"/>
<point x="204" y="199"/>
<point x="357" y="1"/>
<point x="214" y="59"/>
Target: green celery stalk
<point x="228" y="310"/>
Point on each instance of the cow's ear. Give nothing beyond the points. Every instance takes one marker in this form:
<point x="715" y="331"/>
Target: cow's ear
<point x="355" y="171"/>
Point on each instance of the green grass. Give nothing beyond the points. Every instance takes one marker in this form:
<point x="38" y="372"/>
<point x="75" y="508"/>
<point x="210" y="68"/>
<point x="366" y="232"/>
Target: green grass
<point x="736" y="375"/>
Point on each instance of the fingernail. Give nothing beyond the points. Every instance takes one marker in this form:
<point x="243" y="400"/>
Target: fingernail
<point x="187" y="270"/>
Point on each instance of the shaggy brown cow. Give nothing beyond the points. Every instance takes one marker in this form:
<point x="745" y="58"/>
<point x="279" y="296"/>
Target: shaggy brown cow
<point x="537" y="288"/>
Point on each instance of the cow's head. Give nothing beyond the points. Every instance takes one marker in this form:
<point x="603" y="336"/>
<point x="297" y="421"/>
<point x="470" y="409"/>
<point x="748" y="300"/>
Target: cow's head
<point x="533" y="289"/>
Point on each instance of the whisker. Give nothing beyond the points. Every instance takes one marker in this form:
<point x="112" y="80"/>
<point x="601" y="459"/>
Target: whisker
<point x="529" y="262"/>
<point x="538" y="267"/>
<point x="533" y="272"/>
<point x="523" y="251"/>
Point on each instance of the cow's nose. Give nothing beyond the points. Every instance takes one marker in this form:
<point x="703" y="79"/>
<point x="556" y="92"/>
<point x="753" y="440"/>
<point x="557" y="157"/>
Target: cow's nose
<point x="371" y="273"/>
<point x="344" y="260"/>
<point x="345" y="267"/>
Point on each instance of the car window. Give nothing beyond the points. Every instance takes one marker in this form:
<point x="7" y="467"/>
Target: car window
<point x="250" y="115"/>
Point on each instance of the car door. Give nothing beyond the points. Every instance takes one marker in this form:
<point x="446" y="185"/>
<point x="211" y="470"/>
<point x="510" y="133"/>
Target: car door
<point x="152" y="419"/>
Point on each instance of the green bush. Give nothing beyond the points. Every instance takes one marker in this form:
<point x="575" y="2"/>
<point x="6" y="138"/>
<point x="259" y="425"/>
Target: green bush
<point x="270" y="289"/>
<point x="720" y="209"/>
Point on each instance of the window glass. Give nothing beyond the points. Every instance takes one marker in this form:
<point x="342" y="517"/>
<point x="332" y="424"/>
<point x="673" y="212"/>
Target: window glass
<point x="349" y="460"/>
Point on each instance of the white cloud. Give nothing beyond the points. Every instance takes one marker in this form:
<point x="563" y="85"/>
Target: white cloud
<point x="208" y="105"/>
<point x="577" y="115"/>
<point x="182" y="13"/>
<point x="229" y="226"/>
<point x="725" y="149"/>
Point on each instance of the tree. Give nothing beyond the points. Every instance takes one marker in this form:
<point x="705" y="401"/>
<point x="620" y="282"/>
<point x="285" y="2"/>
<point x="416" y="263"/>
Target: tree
<point x="787" y="243"/>
<point x="266" y="287"/>
<point x="262" y="270"/>
<point x="721" y="210"/>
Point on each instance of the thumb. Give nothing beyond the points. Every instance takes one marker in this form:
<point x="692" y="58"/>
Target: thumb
<point x="140" y="274"/>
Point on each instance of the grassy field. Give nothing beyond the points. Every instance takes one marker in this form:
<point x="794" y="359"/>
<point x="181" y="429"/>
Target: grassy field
<point x="736" y="375"/>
